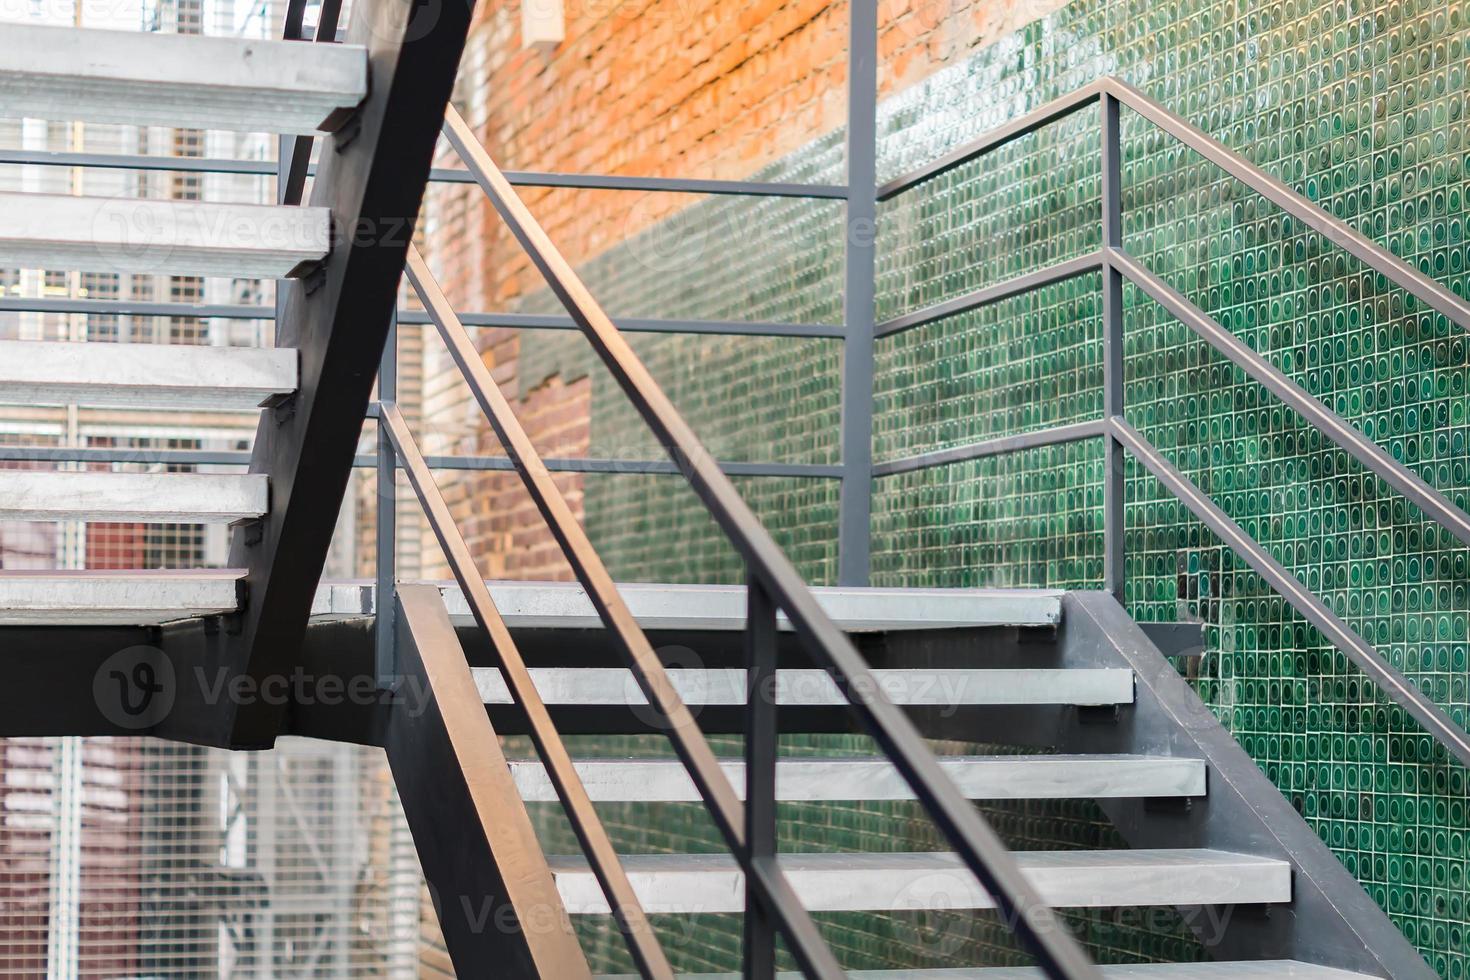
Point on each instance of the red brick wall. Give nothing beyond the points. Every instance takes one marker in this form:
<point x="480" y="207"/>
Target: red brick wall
<point x="695" y="88"/>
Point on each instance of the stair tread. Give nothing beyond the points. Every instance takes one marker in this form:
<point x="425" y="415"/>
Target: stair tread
<point x="144" y="375"/>
<point x="987" y="777"/>
<point x="1234" y="970"/>
<point x="163" y="237"/>
<point x="545" y="604"/>
<point x="194" y="498"/>
<point x="122" y="597"/>
<point x="672" y="883"/>
<point x="191" y="81"/>
<point x="592" y="686"/>
<point x="722" y="607"/>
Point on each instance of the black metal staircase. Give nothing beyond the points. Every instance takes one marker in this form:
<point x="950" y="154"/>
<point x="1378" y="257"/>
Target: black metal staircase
<point x="1098" y="707"/>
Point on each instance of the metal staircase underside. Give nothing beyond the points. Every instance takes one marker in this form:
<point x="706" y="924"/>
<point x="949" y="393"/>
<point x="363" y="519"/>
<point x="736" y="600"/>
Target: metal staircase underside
<point x="1086" y="704"/>
<point x="1070" y="697"/>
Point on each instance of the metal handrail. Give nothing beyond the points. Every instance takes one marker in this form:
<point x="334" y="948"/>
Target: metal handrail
<point x="591" y="834"/>
<point x="683" y="732"/>
<point x="516" y="321"/>
<point x="1334" y="229"/>
<point x="1302" y="599"/>
<point x="1117" y="264"/>
<point x="439" y="175"/>
<point x="776" y="585"/>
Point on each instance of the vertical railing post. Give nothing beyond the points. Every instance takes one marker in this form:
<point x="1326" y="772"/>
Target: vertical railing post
<point x="387" y="519"/>
<point x="859" y="282"/>
<point x="761" y="734"/>
<point x="1114" y="559"/>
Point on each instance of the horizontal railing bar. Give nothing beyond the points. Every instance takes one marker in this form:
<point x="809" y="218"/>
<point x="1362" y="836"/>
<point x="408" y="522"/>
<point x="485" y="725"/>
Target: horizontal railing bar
<point x="1056" y="436"/>
<point x="683" y="733"/>
<point x="996" y="138"/>
<point x="1338" y="232"/>
<point x="440" y="175"/>
<point x="1397" y="687"/>
<point x="208" y="457"/>
<point x="626" y="466"/>
<point x="135" y="161"/>
<point x="110" y="454"/>
<point x="127" y="307"/>
<point x="1061" y="272"/>
<point x="668" y="185"/>
<point x="1342" y="433"/>
<point x="732" y="328"/>
<point x="982" y="850"/>
<point x="521" y="321"/>
<point x="680" y="725"/>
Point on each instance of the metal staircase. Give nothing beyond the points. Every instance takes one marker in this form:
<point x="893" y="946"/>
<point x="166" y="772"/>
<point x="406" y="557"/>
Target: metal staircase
<point x="66" y="74"/>
<point x="1085" y="699"/>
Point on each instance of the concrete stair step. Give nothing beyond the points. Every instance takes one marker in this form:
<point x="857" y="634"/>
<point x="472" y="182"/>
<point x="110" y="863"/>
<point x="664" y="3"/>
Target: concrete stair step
<point x="190" y="498"/>
<point x="705" y="883"/>
<point x="162" y="237"/>
<point x="550" y="605"/>
<point x="988" y="777"/>
<point x="811" y="687"/>
<point x="143" y="375"/>
<point x="187" y="81"/>
<point x="115" y="598"/>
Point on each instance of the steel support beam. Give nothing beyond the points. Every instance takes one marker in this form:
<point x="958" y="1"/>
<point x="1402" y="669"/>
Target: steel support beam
<point x="386" y="485"/>
<point x="1114" y="484"/>
<point x="373" y="174"/>
<point x="497" y="904"/>
<point x="762" y="740"/>
<point x="1331" y="919"/>
<point x="855" y="504"/>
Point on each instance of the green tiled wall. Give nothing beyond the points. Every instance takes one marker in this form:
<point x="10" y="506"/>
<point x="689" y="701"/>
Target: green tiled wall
<point x="1359" y="105"/>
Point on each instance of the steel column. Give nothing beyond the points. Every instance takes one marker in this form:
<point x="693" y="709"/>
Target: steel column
<point x="1114" y="529"/>
<point x="372" y="177"/>
<point x="761" y="735"/>
<point x="387" y="516"/>
<point x="859" y="282"/>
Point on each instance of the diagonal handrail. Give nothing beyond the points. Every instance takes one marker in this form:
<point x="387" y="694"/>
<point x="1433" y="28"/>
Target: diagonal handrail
<point x="1115" y="261"/>
<point x="984" y="853"/>
<point x="688" y="742"/>
<point x="591" y="834"/>
<point x="1339" y="430"/>
<point x="495" y="895"/>
<point x="1339" y="232"/>
<point x="1434" y="718"/>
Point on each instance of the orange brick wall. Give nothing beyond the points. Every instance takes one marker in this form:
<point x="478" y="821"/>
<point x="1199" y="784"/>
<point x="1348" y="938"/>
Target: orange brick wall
<point x="696" y="88"/>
